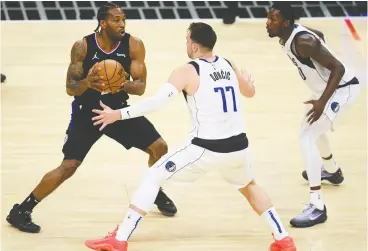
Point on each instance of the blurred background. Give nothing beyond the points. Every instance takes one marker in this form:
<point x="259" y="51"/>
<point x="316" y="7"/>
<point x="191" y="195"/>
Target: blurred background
<point x="84" y="10"/>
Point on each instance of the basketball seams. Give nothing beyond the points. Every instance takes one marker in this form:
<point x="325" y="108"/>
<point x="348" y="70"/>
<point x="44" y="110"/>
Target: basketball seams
<point x="116" y="66"/>
<point x="108" y="81"/>
<point x="107" y="78"/>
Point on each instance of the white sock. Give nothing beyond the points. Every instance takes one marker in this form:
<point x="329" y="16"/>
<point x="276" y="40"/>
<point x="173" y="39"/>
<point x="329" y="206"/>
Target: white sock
<point x="330" y="164"/>
<point x="128" y="225"/>
<point x="273" y="220"/>
<point x="316" y="199"/>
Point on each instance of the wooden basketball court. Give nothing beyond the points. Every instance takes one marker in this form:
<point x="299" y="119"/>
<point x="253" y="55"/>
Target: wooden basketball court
<point x="212" y="216"/>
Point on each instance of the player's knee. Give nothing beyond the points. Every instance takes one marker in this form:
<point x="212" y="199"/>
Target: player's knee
<point x="159" y="148"/>
<point x="68" y="168"/>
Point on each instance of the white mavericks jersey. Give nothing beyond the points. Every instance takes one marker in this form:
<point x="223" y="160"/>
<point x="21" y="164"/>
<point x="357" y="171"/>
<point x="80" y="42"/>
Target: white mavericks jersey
<point x="315" y="75"/>
<point x="216" y="107"/>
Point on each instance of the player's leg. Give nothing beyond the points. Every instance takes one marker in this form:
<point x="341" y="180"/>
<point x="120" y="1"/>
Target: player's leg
<point x="315" y="212"/>
<point x="237" y="172"/>
<point x="330" y="170"/>
<point x="173" y="164"/>
<point x="155" y="151"/>
<point x="325" y="152"/>
<point x="141" y="134"/>
<point x="334" y="108"/>
<point x="81" y="135"/>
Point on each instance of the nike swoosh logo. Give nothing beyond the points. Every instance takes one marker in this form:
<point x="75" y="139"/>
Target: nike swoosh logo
<point x="314" y="218"/>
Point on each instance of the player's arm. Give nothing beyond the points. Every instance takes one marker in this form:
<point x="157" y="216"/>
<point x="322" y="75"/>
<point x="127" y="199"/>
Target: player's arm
<point x="75" y="85"/>
<point x="309" y="46"/>
<point x="176" y="83"/>
<point x="246" y="86"/>
<point x="138" y="68"/>
<point x="319" y="33"/>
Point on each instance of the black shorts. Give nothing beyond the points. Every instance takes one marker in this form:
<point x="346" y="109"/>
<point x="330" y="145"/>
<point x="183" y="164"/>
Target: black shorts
<point x="82" y="134"/>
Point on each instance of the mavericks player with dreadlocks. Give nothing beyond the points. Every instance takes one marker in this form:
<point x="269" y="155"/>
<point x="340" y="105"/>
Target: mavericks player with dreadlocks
<point x="108" y="42"/>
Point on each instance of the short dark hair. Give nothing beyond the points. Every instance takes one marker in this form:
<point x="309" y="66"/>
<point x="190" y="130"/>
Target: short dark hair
<point x="287" y="12"/>
<point x="203" y="34"/>
<point x="103" y="11"/>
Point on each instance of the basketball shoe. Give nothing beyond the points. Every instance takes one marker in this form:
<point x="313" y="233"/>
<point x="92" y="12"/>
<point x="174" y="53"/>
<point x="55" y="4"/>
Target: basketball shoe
<point x="334" y="178"/>
<point x="108" y="243"/>
<point x="286" y="244"/>
<point x="310" y="217"/>
<point x="21" y="219"/>
<point x="165" y="204"/>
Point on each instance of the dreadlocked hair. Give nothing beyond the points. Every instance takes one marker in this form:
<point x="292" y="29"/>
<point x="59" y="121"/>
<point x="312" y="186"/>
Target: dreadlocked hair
<point x="102" y="12"/>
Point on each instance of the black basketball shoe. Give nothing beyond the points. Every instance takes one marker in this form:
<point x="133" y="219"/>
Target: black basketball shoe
<point x="334" y="178"/>
<point x="165" y="204"/>
<point x="22" y="220"/>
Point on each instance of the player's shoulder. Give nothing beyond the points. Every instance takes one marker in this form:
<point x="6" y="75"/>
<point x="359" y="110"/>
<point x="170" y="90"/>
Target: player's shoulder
<point x="135" y="42"/>
<point x="306" y="40"/>
<point x="186" y="70"/>
<point x="80" y="48"/>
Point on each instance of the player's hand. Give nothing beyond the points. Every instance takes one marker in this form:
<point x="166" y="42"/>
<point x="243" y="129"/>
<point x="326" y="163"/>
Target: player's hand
<point x="125" y="81"/>
<point x="247" y="77"/>
<point x="93" y="80"/>
<point x="106" y="116"/>
<point x="315" y="113"/>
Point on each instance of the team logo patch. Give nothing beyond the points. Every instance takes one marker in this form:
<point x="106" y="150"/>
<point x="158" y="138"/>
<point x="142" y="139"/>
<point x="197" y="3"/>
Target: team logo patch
<point x="335" y="107"/>
<point x="170" y="166"/>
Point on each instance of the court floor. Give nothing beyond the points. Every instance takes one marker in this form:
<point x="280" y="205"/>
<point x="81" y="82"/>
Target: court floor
<point x="212" y="216"/>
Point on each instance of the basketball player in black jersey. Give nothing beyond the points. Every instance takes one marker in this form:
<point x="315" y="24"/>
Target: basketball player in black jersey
<point x="111" y="42"/>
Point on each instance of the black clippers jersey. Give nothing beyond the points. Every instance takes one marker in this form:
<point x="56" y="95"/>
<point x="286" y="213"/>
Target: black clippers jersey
<point x="91" y="98"/>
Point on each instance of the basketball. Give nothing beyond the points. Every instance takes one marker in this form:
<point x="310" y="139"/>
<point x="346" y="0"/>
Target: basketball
<point x="113" y="73"/>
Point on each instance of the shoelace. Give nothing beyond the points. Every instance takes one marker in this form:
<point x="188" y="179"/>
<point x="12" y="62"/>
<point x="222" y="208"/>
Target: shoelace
<point x="112" y="234"/>
<point x="307" y="208"/>
<point x="28" y="217"/>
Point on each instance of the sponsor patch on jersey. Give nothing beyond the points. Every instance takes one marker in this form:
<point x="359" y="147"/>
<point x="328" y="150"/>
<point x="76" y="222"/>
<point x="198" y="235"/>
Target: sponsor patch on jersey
<point x="335" y="107"/>
<point x="170" y="166"/>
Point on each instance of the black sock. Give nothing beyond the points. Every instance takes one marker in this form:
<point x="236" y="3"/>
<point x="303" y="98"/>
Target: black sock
<point x="29" y="203"/>
<point x="327" y="158"/>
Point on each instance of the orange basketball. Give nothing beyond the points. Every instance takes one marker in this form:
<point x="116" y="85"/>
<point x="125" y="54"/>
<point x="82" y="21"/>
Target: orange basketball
<point x="113" y="73"/>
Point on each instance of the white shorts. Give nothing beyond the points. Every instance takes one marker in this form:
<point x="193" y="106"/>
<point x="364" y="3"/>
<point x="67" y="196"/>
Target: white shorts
<point x="189" y="163"/>
<point x="338" y="103"/>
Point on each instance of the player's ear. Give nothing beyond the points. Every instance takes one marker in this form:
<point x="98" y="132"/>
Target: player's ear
<point x="286" y="23"/>
<point x="195" y="47"/>
<point x="103" y="24"/>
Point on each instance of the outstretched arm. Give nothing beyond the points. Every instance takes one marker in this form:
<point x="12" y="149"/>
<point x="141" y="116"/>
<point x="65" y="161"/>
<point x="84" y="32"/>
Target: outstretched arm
<point x="177" y="83"/>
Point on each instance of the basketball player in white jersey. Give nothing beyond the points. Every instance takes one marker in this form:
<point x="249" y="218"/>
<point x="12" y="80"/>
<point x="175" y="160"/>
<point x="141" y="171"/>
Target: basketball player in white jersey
<point x="212" y="87"/>
<point x="333" y="88"/>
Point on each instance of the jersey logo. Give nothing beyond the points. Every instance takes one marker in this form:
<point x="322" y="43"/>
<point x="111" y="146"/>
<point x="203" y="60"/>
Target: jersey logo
<point x="170" y="166"/>
<point x="95" y="57"/>
<point x="335" y="107"/>
<point x="120" y="55"/>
